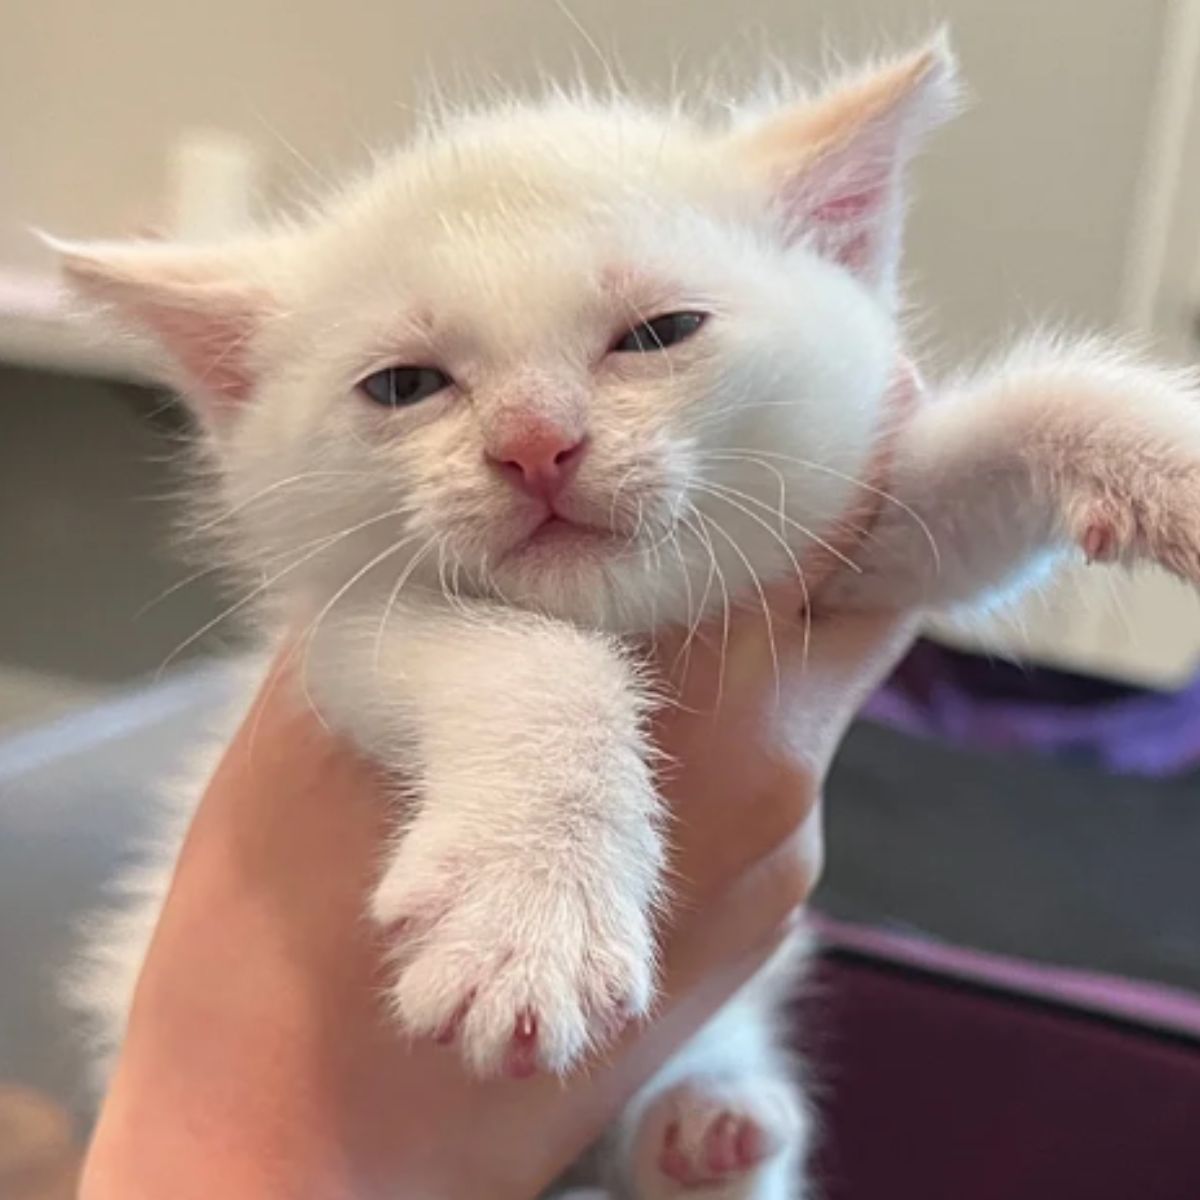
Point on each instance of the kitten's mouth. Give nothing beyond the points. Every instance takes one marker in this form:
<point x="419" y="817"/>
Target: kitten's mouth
<point x="560" y="535"/>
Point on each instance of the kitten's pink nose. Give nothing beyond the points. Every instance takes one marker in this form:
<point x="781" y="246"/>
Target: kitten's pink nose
<point x="539" y="457"/>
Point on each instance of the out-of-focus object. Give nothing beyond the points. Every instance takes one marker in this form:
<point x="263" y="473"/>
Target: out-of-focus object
<point x="212" y="184"/>
<point x="38" y="1156"/>
<point x="971" y="700"/>
<point x="969" y="1075"/>
<point x="39" y="329"/>
<point x="1141" y="627"/>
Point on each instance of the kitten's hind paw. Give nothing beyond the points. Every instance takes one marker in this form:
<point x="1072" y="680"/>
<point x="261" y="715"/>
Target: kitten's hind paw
<point x="718" y="1141"/>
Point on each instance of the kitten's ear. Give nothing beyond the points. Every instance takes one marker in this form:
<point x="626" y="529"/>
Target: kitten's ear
<point x="835" y="166"/>
<point x="196" y="302"/>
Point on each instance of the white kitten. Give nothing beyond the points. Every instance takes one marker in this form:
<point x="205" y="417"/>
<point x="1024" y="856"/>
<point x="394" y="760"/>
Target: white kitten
<point x="564" y="372"/>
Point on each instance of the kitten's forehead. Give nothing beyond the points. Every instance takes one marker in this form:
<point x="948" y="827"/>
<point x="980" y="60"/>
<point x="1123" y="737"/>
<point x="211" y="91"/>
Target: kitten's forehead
<point x="556" y="156"/>
<point x="540" y="210"/>
<point x="534" y="171"/>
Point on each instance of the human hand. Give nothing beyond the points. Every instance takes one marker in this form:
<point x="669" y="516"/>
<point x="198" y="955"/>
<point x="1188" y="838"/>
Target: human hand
<point x="258" y="1061"/>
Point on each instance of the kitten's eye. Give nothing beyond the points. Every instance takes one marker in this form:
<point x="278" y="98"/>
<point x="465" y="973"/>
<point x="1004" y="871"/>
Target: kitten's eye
<point x="397" y="387"/>
<point x="661" y="332"/>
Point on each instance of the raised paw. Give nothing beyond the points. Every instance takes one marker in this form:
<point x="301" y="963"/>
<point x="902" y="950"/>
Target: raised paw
<point x="719" y="1140"/>
<point x="525" y="968"/>
<point x="1166" y="532"/>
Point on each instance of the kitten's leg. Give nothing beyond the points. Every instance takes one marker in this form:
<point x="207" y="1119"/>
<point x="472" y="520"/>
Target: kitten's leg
<point x="1058" y="447"/>
<point x="726" y="1119"/>
<point x="519" y="894"/>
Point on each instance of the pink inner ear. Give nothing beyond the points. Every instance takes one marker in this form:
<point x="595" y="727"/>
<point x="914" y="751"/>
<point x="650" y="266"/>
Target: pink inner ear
<point x="208" y="346"/>
<point x="844" y="228"/>
<point x="835" y="165"/>
<point x="846" y="203"/>
<point x="852" y="207"/>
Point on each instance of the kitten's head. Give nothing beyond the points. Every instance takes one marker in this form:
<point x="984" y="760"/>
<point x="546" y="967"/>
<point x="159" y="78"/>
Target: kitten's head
<point x="583" y="356"/>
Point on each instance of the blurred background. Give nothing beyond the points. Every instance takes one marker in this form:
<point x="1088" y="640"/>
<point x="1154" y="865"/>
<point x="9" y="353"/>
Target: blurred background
<point x="1047" y="811"/>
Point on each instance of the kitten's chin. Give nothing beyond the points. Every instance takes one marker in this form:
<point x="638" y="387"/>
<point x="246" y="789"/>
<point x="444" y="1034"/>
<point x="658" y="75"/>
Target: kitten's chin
<point x="587" y="576"/>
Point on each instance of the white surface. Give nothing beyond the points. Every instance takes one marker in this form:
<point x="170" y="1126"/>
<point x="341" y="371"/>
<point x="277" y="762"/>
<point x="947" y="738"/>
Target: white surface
<point x="1163" y="291"/>
<point x="29" y="697"/>
<point x="1172" y="114"/>
<point x="213" y="184"/>
<point x="1141" y="627"/>
<point x="39" y="329"/>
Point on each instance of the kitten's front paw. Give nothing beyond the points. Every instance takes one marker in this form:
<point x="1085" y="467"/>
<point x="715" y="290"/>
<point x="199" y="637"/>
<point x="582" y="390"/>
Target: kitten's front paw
<point x="1160" y="523"/>
<point x="528" y="964"/>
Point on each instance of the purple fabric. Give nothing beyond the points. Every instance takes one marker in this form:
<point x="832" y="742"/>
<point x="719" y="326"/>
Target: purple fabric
<point x="1151" y="1004"/>
<point x="932" y="1090"/>
<point x="994" y="705"/>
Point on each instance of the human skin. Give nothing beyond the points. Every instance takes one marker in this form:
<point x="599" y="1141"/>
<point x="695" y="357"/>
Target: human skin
<point x="258" y="1061"/>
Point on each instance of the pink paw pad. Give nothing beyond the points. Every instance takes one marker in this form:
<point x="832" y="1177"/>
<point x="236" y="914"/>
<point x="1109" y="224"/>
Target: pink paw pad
<point x="729" y="1144"/>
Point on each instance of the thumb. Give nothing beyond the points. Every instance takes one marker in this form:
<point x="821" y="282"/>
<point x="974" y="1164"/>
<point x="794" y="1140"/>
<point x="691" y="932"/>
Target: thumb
<point x="846" y="657"/>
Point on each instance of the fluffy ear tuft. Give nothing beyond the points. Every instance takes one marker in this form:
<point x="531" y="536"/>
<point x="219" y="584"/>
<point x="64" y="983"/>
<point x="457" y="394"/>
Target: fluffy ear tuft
<point x="834" y="166"/>
<point x="194" y="301"/>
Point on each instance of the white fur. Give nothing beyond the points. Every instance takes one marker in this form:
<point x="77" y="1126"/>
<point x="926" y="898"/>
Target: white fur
<point x="1006" y="470"/>
<point x="510" y="249"/>
<point x="528" y="868"/>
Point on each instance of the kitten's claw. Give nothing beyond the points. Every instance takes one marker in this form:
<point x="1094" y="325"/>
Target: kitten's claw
<point x="1099" y="543"/>
<point x="521" y="1061"/>
<point x="1161" y="522"/>
<point x="523" y="973"/>
<point x="445" y="1035"/>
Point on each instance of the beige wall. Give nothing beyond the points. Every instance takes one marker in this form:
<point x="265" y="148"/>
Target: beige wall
<point x="1024" y="206"/>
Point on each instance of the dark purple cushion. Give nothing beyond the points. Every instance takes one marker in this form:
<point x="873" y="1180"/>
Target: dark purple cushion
<point x="934" y="1087"/>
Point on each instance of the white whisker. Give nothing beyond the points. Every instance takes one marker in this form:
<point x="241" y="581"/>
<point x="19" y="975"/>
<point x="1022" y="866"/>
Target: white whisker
<point x="394" y="594"/>
<point x="796" y="567"/>
<point x="310" y="634"/>
<point x="687" y="586"/>
<point x="759" y="589"/>
<point x="242" y="505"/>
<point x="612" y="507"/>
<point x="324" y="544"/>
<point x="178" y="585"/>
<point x="702" y="532"/>
<point x="801" y="529"/>
<point x="825" y="469"/>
